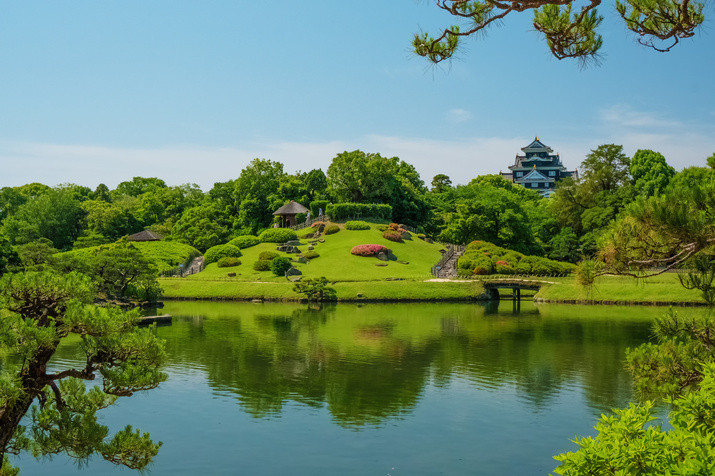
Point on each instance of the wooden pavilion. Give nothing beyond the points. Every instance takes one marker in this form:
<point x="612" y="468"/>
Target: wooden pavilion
<point x="146" y="235"/>
<point x="288" y="212"/>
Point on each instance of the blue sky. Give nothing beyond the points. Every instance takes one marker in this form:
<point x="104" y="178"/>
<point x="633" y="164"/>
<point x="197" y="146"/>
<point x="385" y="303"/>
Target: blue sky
<point x="191" y="91"/>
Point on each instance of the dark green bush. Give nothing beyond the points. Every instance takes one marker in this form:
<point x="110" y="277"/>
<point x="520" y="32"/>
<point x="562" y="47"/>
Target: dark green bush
<point x="217" y="252"/>
<point x="357" y="225"/>
<point x="228" y="262"/>
<point x="331" y="229"/>
<point x="280" y="265"/>
<point x="262" y="265"/>
<point x="267" y="255"/>
<point x="245" y="241"/>
<point x="278" y="235"/>
<point x="340" y="211"/>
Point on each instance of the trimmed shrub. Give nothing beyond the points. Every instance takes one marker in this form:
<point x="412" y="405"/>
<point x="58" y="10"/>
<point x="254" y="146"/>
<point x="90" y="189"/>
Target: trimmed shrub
<point x="267" y="255"/>
<point x="392" y="235"/>
<point x="278" y="235"/>
<point x="262" y="265"/>
<point x="502" y="267"/>
<point x="310" y="254"/>
<point x="482" y="257"/>
<point x="228" y="262"/>
<point x="331" y="229"/>
<point x="318" y="224"/>
<point x="357" y="225"/>
<point x="368" y="250"/>
<point x="280" y="265"/>
<point x="217" y="252"/>
<point x="245" y="241"/>
<point x="383" y="227"/>
<point x="340" y="211"/>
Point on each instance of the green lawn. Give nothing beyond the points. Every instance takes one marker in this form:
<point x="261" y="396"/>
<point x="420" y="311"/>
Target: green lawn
<point x="283" y="290"/>
<point x="415" y="258"/>
<point x="665" y="288"/>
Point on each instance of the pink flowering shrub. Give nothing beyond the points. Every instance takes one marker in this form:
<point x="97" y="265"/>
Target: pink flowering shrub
<point x="368" y="250"/>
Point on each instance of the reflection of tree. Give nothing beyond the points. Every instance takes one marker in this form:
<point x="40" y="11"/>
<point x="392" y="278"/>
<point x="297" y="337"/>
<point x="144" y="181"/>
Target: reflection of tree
<point x="368" y="364"/>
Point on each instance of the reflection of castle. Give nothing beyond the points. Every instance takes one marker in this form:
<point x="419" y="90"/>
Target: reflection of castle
<point x="538" y="169"/>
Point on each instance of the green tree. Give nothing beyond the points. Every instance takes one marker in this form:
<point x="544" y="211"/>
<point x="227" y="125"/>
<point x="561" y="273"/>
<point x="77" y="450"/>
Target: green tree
<point x="440" y="183"/>
<point x="139" y="185"/>
<point x="258" y="183"/>
<point x="121" y="271"/>
<point x="35" y="253"/>
<point x="359" y="177"/>
<point x="112" y="220"/>
<point x="650" y="172"/>
<point x="656" y="234"/>
<point x="569" y="31"/>
<point x="315" y="290"/>
<point x="8" y="255"/>
<point x="55" y="214"/>
<point x="39" y="311"/>
<point x="202" y="227"/>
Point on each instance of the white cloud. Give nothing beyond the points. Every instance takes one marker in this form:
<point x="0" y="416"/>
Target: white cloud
<point x="458" y="115"/>
<point x="461" y="159"/>
<point x="623" y="115"/>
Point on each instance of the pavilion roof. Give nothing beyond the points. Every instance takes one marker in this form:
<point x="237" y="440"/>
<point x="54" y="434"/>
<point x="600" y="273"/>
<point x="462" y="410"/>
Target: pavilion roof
<point x="146" y="235"/>
<point x="291" y="208"/>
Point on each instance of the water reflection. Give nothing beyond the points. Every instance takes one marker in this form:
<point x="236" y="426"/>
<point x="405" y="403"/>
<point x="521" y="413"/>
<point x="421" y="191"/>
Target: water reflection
<point x="370" y="363"/>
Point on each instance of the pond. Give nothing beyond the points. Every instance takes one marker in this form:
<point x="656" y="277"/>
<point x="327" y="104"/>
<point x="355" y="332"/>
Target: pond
<point x="379" y="389"/>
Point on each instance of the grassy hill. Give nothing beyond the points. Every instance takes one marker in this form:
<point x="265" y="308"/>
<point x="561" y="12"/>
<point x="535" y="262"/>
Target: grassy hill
<point x="167" y="255"/>
<point x="402" y="278"/>
<point x="414" y="259"/>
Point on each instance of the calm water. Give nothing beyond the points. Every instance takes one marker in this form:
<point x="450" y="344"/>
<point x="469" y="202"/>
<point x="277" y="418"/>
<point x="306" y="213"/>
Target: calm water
<point x="377" y="389"/>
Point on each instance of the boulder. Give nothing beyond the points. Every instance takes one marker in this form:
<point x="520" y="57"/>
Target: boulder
<point x="382" y="256"/>
<point x="293" y="272"/>
<point x="231" y="275"/>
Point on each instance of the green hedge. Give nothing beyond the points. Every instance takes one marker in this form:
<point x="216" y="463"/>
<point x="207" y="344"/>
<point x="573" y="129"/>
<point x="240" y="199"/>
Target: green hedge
<point x="278" y="235"/>
<point x="228" y="262"/>
<point x="262" y="265"/>
<point x="357" y="225"/>
<point x="217" y="252"/>
<point x="245" y="241"/>
<point x="331" y="229"/>
<point x="315" y="207"/>
<point x="267" y="255"/>
<point x="341" y="211"/>
<point x="481" y="257"/>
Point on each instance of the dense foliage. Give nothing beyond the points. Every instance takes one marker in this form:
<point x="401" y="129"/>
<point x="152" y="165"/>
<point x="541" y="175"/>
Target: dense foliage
<point x="570" y="31"/>
<point x="47" y="413"/>
<point x="481" y="257"/>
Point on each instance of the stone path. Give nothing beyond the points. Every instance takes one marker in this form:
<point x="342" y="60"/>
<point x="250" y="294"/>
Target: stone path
<point x="197" y="264"/>
<point x="449" y="268"/>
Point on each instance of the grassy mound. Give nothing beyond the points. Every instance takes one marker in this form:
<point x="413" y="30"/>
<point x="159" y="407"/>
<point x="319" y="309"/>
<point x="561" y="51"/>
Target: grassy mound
<point x="166" y="255"/>
<point x="413" y="259"/>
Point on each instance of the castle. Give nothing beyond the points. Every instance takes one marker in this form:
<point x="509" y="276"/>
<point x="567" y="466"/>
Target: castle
<point x="538" y="169"/>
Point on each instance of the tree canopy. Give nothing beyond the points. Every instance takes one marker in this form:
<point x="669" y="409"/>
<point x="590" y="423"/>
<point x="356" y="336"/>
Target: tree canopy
<point x="49" y="412"/>
<point x="570" y="31"/>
